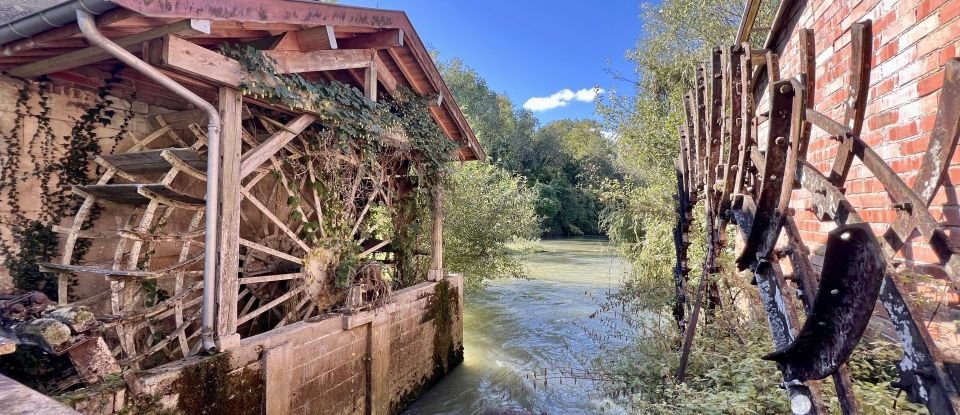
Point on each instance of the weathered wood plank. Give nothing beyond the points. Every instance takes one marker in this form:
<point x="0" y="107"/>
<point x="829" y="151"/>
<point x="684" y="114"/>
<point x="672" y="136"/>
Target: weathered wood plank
<point x="317" y="38"/>
<point x="383" y="39"/>
<point x="192" y="59"/>
<point x="228" y="226"/>
<point x="288" y="61"/>
<point x="370" y="81"/>
<point x="259" y="155"/>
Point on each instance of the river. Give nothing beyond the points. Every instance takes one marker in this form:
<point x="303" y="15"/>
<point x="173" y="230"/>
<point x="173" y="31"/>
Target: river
<point x="517" y="328"/>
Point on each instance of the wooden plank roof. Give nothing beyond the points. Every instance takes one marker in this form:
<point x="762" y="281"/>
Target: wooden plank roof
<point x="399" y="50"/>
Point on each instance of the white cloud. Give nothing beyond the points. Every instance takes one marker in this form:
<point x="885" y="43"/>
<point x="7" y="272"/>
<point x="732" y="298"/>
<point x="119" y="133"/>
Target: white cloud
<point x="609" y="135"/>
<point x="561" y="98"/>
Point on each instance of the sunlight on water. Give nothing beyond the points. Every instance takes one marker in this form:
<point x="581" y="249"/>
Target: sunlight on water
<point x="516" y="328"/>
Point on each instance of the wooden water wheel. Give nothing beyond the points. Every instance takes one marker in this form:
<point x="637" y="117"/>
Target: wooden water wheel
<point x="289" y="249"/>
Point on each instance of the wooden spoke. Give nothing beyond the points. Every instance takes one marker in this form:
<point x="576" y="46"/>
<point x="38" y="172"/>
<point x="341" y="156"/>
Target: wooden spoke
<point x="276" y="221"/>
<point x="270" y="305"/>
<point x="271" y="278"/>
<point x="270" y="251"/>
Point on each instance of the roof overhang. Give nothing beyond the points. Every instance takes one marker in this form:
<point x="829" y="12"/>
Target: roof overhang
<point x="388" y="34"/>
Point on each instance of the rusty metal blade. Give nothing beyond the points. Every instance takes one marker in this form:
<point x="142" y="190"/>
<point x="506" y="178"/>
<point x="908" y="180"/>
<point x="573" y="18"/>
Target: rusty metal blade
<point x="853" y="271"/>
<point x="767" y="217"/>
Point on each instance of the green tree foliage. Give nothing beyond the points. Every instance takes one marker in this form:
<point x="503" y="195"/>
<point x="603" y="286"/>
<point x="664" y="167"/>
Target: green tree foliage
<point x="486" y="208"/>
<point x="562" y="160"/>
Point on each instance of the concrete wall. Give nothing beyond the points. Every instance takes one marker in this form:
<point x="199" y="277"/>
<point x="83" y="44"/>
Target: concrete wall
<point x="912" y="40"/>
<point x="375" y="362"/>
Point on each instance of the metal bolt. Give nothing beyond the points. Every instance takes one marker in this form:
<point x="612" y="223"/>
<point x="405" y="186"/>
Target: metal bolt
<point x="780" y="141"/>
<point x="845" y="236"/>
<point x="773" y="177"/>
<point x="822" y="323"/>
<point x="786" y="89"/>
<point x="834" y="291"/>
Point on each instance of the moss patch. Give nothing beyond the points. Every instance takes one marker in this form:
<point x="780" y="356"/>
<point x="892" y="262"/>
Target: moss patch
<point x="210" y="387"/>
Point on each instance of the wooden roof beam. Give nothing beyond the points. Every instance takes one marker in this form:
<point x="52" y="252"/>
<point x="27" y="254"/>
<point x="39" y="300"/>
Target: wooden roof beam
<point x="320" y="60"/>
<point x="317" y="38"/>
<point x="90" y="55"/>
<point x="383" y="39"/>
<point x="406" y="72"/>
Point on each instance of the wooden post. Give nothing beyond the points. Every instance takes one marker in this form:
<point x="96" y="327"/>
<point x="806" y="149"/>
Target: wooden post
<point x="436" y="262"/>
<point x="230" y="104"/>
<point x="370" y="81"/>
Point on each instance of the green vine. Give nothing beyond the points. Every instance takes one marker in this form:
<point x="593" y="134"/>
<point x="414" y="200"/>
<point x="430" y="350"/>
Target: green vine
<point x="32" y="237"/>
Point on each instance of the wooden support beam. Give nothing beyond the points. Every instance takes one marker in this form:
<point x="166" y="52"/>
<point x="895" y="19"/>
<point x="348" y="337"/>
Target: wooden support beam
<point x="383" y="39"/>
<point x="370" y="81"/>
<point x="286" y="41"/>
<point x="188" y="27"/>
<point x="191" y="59"/>
<point x="320" y="60"/>
<point x="228" y="227"/>
<point x="386" y="78"/>
<point x="436" y="237"/>
<point x="259" y="155"/>
<point x="317" y="38"/>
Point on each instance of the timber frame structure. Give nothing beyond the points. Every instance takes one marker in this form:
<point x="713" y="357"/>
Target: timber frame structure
<point x="225" y="270"/>
<point x="745" y="178"/>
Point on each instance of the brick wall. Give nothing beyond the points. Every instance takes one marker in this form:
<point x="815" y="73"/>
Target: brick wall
<point x="372" y="362"/>
<point x="912" y="40"/>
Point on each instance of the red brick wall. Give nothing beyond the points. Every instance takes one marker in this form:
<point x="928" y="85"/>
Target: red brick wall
<point x="912" y="40"/>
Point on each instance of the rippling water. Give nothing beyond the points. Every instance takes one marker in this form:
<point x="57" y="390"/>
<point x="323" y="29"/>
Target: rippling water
<point x="516" y="328"/>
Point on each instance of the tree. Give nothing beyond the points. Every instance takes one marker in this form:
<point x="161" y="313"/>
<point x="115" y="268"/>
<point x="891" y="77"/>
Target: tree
<point x="486" y="208"/>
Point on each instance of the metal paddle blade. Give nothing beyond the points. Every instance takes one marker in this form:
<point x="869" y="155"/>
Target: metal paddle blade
<point x="853" y="269"/>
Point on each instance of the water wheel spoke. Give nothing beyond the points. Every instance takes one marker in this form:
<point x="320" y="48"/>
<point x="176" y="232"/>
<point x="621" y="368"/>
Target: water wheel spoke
<point x="162" y="343"/>
<point x="276" y="221"/>
<point x="247" y="317"/>
<point x="293" y="312"/>
<point x="259" y="279"/>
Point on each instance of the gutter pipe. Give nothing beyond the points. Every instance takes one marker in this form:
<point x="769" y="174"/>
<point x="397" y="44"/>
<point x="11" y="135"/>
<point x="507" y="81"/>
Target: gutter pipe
<point x="51" y="18"/>
<point x="89" y="29"/>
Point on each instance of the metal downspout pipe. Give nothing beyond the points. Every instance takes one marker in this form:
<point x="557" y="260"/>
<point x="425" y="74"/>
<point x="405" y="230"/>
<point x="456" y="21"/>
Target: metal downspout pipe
<point x="89" y="29"/>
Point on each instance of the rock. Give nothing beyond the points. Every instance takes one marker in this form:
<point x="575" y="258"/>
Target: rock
<point x="79" y="319"/>
<point x="46" y="332"/>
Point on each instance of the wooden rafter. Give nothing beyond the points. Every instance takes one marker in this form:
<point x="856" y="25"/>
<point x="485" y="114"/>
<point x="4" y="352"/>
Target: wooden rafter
<point x="82" y="57"/>
<point x="377" y="40"/>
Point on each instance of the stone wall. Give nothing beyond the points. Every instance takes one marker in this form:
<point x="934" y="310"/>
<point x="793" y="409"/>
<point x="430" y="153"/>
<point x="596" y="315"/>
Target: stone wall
<point x="911" y="42"/>
<point x="375" y="361"/>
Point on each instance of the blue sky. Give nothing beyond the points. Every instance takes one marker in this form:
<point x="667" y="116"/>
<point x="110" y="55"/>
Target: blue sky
<point x="529" y="49"/>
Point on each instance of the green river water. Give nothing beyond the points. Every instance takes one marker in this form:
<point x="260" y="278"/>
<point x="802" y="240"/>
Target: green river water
<point x="516" y="328"/>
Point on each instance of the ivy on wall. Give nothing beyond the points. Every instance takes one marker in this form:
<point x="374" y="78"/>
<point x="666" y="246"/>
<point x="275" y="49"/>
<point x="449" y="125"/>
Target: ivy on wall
<point x="32" y="237"/>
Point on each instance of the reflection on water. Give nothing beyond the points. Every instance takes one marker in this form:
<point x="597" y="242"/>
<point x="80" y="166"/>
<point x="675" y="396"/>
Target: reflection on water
<point x="516" y="328"/>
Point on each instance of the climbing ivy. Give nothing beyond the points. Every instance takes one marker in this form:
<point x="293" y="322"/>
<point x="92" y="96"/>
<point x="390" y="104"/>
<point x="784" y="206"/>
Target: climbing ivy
<point x="350" y="115"/>
<point x="32" y="238"/>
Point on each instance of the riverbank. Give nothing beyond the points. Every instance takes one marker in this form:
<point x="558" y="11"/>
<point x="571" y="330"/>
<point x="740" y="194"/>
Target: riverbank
<point x="515" y="329"/>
